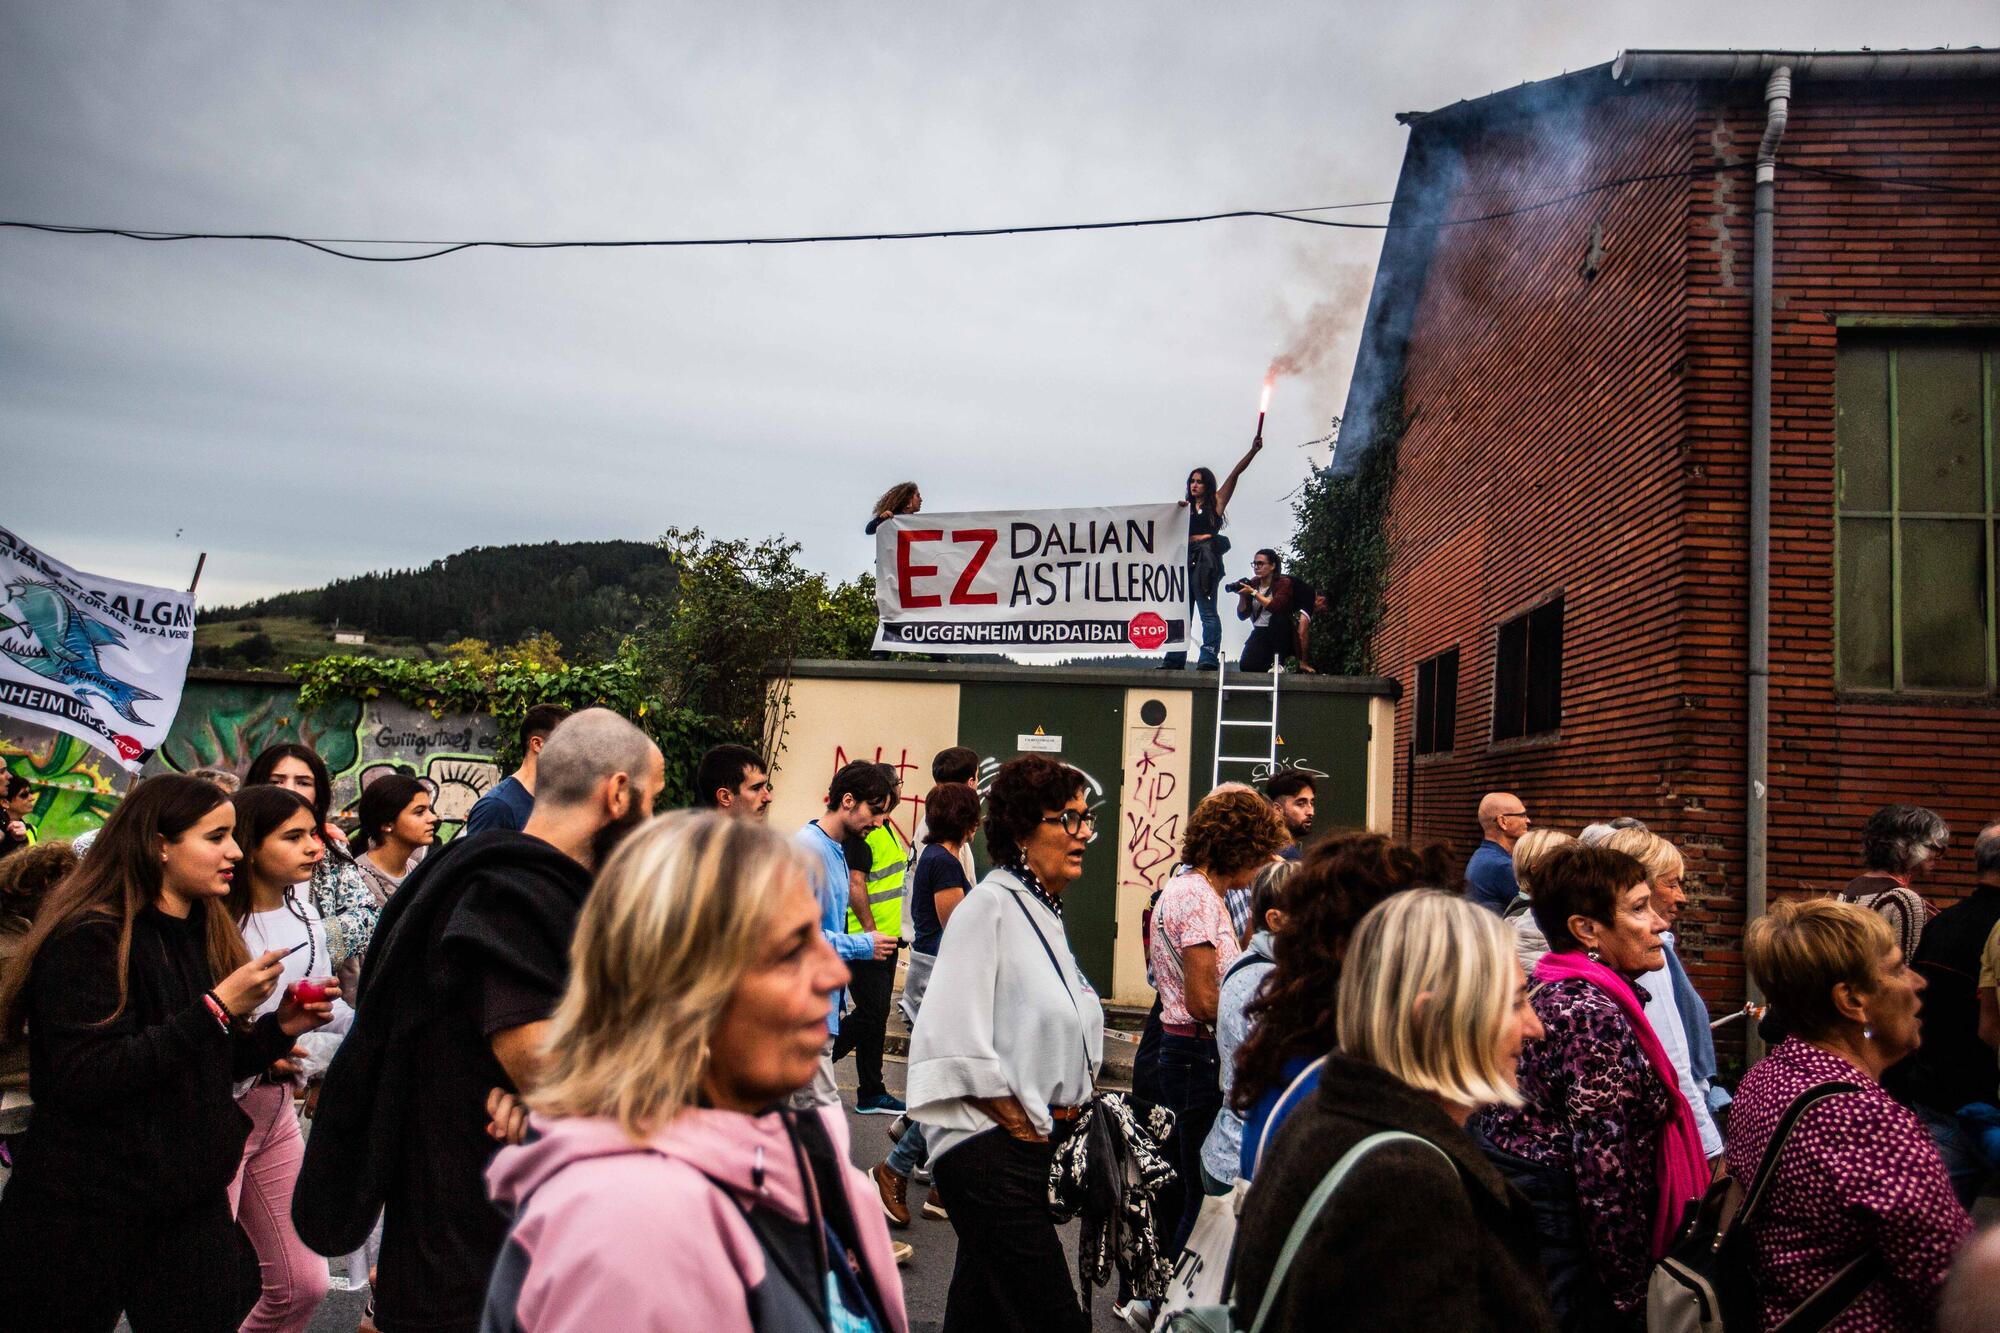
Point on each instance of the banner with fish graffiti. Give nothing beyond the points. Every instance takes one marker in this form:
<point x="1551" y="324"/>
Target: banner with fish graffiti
<point x="101" y="659"/>
<point x="1080" y="581"/>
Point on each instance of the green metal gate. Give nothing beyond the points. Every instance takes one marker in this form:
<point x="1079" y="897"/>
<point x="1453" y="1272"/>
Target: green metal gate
<point x="1081" y="726"/>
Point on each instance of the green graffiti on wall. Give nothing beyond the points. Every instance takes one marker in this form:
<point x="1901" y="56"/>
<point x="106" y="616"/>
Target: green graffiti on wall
<point x="73" y="783"/>
<point x="226" y="726"/>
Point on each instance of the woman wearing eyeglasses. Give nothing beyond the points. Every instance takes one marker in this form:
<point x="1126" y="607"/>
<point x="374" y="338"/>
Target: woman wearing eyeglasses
<point x="1006" y="1053"/>
<point x="1232" y="834"/>
<point x="1269" y="601"/>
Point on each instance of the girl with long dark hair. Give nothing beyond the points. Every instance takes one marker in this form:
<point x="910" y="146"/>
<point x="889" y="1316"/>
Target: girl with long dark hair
<point x="278" y="833"/>
<point x="397" y="822"/>
<point x="339" y="889"/>
<point x="137" y="995"/>
<point x="1206" y="504"/>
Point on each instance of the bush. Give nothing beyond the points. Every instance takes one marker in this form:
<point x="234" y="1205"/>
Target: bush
<point x="1342" y="549"/>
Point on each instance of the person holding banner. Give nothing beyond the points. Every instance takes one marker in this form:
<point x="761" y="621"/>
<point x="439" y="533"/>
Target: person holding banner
<point x="1207" y="505"/>
<point x="136" y="993"/>
<point x="902" y="498"/>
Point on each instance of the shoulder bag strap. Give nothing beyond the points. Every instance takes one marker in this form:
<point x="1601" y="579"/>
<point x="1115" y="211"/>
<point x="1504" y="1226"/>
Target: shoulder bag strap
<point x="1316" y="1202"/>
<point x="1089" y="1078"/>
<point x="1264" y="1130"/>
<point x="1843" y="1288"/>
<point x="1768" y="1167"/>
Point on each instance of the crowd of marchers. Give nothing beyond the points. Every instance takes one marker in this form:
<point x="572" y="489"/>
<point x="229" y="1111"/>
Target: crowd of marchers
<point x="576" y="1068"/>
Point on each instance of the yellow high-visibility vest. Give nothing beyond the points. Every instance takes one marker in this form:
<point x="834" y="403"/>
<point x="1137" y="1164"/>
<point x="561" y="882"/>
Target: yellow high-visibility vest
<point x="885" y="881"/>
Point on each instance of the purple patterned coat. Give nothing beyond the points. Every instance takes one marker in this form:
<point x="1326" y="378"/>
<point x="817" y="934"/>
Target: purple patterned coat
<point x="1595" y="1110"/>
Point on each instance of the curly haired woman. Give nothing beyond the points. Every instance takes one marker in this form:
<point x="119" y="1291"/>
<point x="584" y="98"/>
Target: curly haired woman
<point x="1232" y="834"/>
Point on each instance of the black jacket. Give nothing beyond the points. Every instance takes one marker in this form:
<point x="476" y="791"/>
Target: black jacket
<point x="136" y="1117"/>
<point x="374" y="1089"/>
<point x="1407" y="1242"/>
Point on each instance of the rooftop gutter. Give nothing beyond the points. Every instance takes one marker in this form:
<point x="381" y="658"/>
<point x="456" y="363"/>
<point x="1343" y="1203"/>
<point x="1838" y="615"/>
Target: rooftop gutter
<point x="1843" y="66"/>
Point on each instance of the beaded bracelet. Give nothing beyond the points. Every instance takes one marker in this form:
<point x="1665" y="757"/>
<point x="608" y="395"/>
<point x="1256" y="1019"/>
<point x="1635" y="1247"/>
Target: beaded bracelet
<point x="216" y="1007"/>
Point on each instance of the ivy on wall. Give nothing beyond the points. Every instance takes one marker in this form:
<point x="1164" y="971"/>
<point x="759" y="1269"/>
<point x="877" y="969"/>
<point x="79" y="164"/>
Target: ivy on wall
<point x="693" y="672"/>
<point x="1341" y="544"/>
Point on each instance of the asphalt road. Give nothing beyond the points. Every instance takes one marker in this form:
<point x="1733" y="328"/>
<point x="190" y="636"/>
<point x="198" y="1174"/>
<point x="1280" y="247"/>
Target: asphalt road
<point x="926" y="1278"/>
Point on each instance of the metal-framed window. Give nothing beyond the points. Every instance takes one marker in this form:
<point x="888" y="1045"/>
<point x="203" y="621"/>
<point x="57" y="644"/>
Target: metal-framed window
<point x="1437" y="703"/>
<point x="1527" y="673"/>
<point x="1916" y="504"/>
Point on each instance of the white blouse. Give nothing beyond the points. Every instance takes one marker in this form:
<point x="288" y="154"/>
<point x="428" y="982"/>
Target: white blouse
<point x="1001" y="1018"/>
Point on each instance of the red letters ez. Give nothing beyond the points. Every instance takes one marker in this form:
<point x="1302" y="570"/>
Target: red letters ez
<point x="961" y="591"/>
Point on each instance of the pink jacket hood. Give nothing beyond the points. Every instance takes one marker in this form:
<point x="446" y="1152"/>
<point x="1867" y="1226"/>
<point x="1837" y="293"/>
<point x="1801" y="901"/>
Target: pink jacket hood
<point x="650" y="1234"/>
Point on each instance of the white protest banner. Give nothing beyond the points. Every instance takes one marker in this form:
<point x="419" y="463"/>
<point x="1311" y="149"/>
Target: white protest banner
<point x="99" y="658"/>
<point x="1091" y="581"/>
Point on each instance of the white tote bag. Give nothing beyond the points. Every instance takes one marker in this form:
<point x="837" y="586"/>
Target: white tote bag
<point x="1199" y="1272"/>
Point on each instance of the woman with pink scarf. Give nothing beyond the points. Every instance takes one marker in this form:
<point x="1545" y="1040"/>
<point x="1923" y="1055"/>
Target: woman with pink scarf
<point x="1605" y="1146"/>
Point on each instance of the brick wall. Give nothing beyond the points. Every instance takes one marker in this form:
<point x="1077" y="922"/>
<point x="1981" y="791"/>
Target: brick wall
<point x="1843" y="249"/>
<point x="1590" y="436"/>
<point x="1543" y="457"/>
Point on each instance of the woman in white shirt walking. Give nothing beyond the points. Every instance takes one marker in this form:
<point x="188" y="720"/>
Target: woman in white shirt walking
<point x="278" y="831"/>
<point x="1008" y="1050"/>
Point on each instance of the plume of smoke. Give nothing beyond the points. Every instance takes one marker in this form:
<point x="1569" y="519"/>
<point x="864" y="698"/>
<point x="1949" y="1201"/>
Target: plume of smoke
<point x="1321" y="343"/>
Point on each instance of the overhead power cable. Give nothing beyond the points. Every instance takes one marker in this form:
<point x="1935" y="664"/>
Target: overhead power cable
<point x="1303" y="216"/>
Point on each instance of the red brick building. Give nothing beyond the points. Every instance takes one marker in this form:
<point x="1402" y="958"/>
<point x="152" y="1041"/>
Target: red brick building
<point x="1570" y="521"/>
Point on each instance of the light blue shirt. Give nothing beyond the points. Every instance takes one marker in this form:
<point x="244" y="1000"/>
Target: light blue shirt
<point x="829" y="866"/>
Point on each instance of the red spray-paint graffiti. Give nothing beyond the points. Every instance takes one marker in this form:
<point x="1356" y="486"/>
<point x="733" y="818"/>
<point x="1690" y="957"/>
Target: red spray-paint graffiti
<point x="1152" y="836"/>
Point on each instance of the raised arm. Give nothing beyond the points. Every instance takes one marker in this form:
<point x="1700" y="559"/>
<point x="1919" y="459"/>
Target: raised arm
<point x="1228" y="487"/>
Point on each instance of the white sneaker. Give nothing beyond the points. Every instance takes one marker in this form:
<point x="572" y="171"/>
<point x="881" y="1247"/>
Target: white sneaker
<point x="1137" y="1315"/>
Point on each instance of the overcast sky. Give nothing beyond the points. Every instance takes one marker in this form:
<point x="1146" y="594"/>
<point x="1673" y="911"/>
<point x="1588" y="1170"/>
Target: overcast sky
<point x="301" y="418"/>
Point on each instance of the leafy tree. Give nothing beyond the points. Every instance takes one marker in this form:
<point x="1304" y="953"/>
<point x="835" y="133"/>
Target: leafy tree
<point x="475" y="653"/>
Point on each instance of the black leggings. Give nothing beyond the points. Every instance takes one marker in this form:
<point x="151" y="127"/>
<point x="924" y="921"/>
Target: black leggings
<point x="66" y="1272"/>
<point x="1011" y="1273"/>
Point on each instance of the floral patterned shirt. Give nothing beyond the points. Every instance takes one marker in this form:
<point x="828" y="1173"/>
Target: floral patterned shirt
<point x="1858" y="1173"/>
<point x="1595" y="1109"/>
<point x="1190" y="912"/>
<point x="346" y="907"/>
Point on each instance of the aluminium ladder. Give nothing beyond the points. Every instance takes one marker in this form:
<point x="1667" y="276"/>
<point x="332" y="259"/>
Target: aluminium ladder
<point x="1267" y="726"/>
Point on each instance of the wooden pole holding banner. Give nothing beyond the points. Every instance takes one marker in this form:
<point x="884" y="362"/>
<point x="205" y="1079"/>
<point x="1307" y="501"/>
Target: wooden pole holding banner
<point x="199" y="561"/>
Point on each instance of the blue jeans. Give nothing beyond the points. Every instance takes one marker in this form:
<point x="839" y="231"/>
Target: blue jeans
<point x="1204" y="579"/>
<point x="910" y="1151"/>
<point x="1190" y="1087"/>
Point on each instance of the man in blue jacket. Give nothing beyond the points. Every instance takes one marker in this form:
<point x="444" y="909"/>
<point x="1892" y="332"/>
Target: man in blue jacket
<point x="1489" y="875"/>
<point x="856" y="801"/>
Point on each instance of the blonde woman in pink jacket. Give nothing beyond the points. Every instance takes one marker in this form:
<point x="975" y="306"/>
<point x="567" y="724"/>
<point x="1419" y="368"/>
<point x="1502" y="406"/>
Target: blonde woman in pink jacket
<point x="663" y="1185"/>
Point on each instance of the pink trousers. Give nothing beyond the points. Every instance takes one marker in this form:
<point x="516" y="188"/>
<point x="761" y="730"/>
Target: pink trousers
<point x="295" y="1279"/>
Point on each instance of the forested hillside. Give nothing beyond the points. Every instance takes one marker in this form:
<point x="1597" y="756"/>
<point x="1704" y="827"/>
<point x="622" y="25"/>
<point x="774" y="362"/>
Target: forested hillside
<point x="587" y="594"/>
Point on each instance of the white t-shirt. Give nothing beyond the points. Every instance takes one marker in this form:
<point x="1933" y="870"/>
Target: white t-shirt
<point x="281" y="928"/>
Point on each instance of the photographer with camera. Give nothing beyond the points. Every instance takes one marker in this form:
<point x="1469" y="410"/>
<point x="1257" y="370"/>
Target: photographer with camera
<point x="1271" y="601"/>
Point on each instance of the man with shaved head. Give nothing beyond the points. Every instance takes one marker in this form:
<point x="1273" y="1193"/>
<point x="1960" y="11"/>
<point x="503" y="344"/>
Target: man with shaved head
<point x="1489" y="875"/>
<point x="465" y="969"/>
